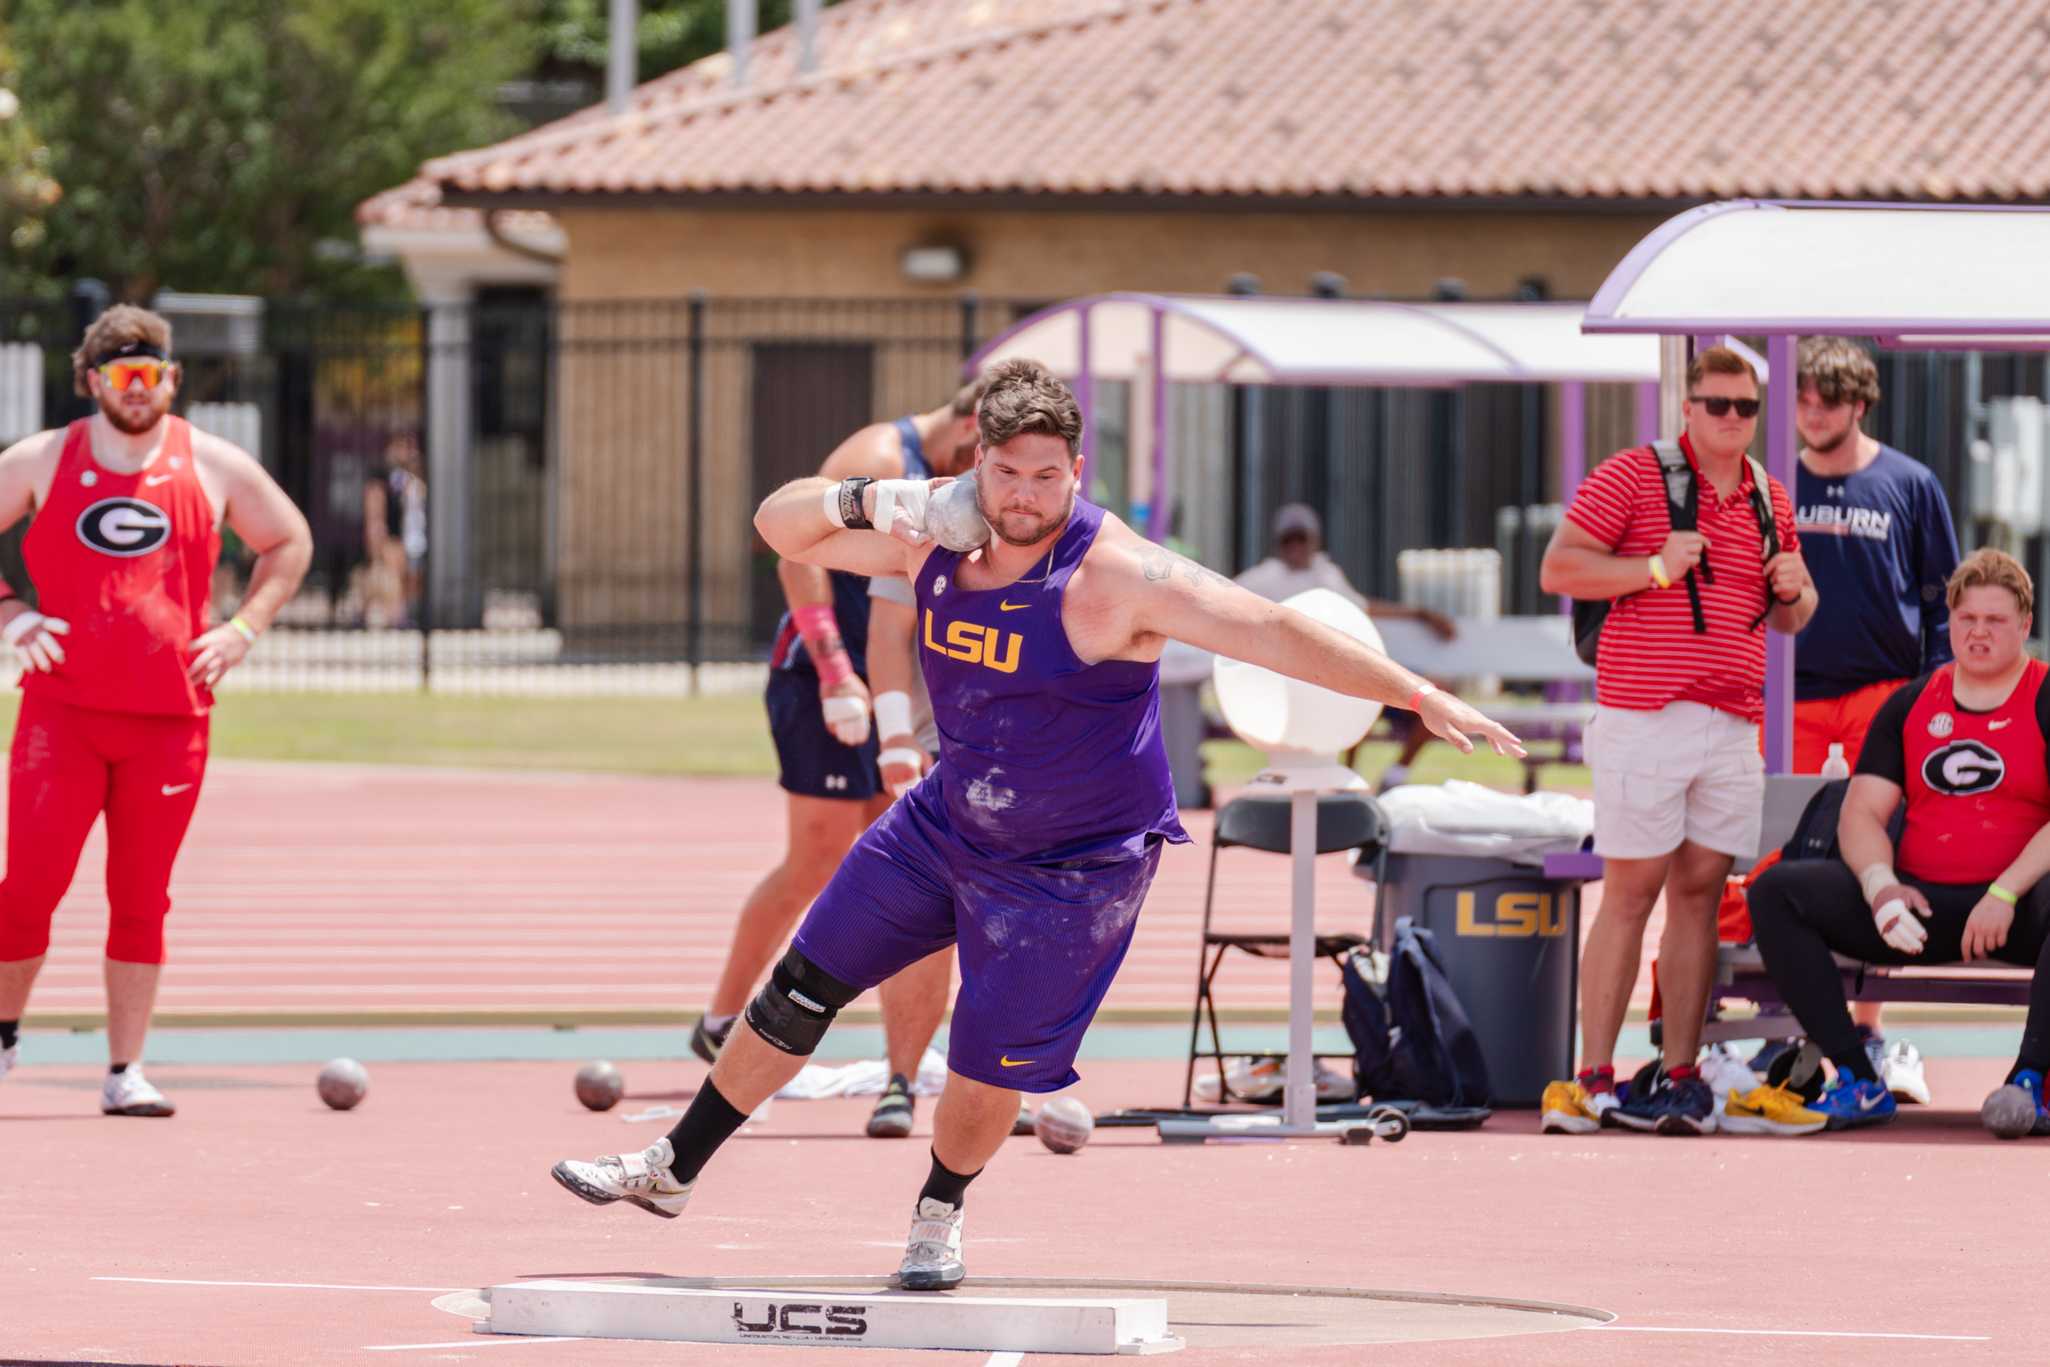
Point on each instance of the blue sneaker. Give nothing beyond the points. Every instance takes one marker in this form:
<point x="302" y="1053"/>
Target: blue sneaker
<point x="1851" y="1101"/>
<point x="1638" y="1105"/>
<point x="1687" y="1107"/>
<point x="2016" y="1110"/>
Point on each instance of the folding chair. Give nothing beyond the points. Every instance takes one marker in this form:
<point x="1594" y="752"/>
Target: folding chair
<point x="1345" y="821"/>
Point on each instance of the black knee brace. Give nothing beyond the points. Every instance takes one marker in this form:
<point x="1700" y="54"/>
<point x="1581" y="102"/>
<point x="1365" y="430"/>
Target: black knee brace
<point x="799" y="1001"/>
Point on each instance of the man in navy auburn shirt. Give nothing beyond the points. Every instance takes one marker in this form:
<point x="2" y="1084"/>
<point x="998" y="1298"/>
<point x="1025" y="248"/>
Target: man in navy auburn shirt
<point x="1877" y="536"/>
<point x="1964" y="752"/>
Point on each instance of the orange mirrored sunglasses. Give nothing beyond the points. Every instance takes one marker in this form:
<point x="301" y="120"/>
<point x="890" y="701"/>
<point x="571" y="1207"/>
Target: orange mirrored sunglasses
<point x="126" y="371"/>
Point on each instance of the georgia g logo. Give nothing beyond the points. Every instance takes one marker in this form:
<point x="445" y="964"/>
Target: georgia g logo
<point x="124" y="526"/>
<point x="1963" y="768"/>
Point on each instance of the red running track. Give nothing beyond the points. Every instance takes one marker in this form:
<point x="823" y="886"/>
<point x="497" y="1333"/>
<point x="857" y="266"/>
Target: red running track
<point x="258" y="1228"/>
<point x="353" y="890"/>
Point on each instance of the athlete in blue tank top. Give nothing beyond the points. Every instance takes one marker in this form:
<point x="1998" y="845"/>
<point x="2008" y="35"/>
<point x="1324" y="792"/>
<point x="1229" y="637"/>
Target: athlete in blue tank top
<point x="1030" y="846"/>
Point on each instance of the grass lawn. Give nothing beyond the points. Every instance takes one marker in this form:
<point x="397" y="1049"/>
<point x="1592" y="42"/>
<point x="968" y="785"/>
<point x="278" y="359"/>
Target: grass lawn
<point x="718" y="735"/>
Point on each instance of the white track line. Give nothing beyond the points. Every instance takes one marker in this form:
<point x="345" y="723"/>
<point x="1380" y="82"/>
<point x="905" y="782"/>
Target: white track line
<point x="284" y="1286"/>
<point x="1004" y="1360"/>
<point x="1784" y="1333"/>
<point x="464" y="1345"/>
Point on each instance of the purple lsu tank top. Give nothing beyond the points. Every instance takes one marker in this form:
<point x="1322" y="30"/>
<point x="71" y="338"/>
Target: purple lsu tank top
<point x="1042" y="758"/>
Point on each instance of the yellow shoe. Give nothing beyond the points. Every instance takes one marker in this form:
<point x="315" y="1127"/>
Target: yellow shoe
<point x="1770" y="1110"/>
<point x="1571" y="1109"/>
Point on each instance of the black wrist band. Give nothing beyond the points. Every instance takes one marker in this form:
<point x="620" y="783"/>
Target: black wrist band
<point x="850" y="503"/>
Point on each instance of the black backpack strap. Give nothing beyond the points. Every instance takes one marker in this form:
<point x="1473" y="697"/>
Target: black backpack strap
<point x="1683" y="507"/>
<point x="1768" y="532"/>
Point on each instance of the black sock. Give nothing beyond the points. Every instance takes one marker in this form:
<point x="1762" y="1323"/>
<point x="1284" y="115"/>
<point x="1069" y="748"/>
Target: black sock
<point x="116" y="1069"/>
<point x="944" y="1184"/>
<point x="1857" y="1063"/>
<point x="10" y="1031"/>
<point x="710" y="1122"/>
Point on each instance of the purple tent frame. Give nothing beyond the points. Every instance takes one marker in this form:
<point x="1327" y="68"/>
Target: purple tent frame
<point x="1573" y="380"/>
<point x="1955" y="332"/>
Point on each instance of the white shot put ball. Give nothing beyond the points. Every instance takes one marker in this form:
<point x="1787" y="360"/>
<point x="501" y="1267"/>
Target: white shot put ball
<point x="955" y="518"/>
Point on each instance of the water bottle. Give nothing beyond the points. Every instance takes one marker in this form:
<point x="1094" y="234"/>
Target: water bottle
<point x="1836" y="766"/>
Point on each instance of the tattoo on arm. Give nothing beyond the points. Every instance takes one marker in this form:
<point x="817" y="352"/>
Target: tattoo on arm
<point x="1158" y="564"/>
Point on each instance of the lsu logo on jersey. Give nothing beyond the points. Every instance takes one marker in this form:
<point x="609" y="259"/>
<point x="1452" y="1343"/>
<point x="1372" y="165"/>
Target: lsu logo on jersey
<point x="977" y="645"/>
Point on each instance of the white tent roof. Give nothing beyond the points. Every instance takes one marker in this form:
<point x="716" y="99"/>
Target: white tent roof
<point x="1947" y="276"/>
<point x="1245" y="340"/>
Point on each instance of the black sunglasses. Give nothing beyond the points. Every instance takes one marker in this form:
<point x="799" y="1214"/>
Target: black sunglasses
<point x="1719" y="407"/>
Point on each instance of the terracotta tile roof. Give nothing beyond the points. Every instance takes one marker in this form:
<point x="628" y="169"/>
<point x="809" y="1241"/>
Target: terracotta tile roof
<point x="1369" y="99"/>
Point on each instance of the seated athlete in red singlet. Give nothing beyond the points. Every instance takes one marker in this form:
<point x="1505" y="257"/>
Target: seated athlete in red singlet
<point x="1962" y="754"/>
<point x="120" y="659"/>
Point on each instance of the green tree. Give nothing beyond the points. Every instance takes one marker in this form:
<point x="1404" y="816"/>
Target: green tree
<point x="27" y="189"/>
<point x="224" y="144"/>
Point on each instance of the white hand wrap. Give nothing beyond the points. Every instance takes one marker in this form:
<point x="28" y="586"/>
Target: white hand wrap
<point x="905" y="756"/>
<point x="35" y="636"/>
<point x="1877" y="878"/>
<point x="1900" y="926"/>
<point x="847" y="719"/>
<point x="893" y="714"/>
<point x="902" y="501"/>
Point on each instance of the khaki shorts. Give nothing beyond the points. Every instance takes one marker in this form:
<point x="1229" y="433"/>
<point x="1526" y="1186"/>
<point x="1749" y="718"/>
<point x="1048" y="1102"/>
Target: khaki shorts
<point x="1684" y="772"/>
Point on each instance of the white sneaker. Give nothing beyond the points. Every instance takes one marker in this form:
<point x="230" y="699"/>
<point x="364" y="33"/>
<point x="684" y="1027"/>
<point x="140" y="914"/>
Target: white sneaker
<point x="1901" y="1070"/>
<point x="643" y="1179"/>
<point x="129" y="1093"/>
<point x="932" y="1256"/>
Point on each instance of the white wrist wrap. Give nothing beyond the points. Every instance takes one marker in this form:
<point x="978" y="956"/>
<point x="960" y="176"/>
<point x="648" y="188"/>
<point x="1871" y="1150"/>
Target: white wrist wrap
<point x="832" y="507"/>
<point x="846" y="718"/>
<point x="893" y="714"/>
<point x="1877" y="878"/>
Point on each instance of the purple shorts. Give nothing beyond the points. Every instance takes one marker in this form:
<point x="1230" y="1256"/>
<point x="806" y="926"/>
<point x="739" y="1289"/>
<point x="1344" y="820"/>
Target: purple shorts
<point x="1039" y="943"/>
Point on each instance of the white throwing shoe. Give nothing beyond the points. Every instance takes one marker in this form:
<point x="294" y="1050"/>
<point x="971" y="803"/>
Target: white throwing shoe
<point x="129" y="1093"/>
<point x="932" y="1256"/>
<point x="642" y="1179"/>
<point x="1901" y="1070"/>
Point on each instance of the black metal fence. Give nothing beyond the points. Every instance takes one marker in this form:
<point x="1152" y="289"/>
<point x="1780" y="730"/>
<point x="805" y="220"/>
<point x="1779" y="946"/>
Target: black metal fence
<point x="522" y="495"/>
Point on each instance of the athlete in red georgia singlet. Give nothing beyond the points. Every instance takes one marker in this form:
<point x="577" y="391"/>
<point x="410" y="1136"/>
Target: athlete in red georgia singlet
<point x="120" y="656"/>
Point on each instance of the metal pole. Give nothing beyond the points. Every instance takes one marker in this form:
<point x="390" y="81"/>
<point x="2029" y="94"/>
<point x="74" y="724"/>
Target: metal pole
<point x="1572" y="437"/>
<point x="1157" y="514"/>
<point x="1672" y="384"/>
<point x="1779" y="463"/>
<point x="1572" y="452"/>
<point x="1647" y="413"/>
<point x="1300" y="1095"/>
<point x="426" y="606"/>
<point x="740" y="36"/>
<point x="807" y="14"/>
<point x="971" y="308"/>
<point x="1085" y="384"/>
<point x="694" y="496"/>
<point x="621" y="50"/>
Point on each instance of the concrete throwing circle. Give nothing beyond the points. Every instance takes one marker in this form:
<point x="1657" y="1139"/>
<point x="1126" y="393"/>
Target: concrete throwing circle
<point x="1210" y="1314"/>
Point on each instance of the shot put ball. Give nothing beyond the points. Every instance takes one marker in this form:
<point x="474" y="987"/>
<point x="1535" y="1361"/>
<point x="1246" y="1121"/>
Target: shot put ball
<point x="1064" y="1124"/>
<point x="343" y="1083"/>
<point x="599" y="1086"/>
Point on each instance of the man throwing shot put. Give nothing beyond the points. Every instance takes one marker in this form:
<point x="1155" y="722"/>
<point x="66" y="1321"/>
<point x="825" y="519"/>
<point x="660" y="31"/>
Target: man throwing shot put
<point x="1031" y="844"/>
<point x="121" y="658"/>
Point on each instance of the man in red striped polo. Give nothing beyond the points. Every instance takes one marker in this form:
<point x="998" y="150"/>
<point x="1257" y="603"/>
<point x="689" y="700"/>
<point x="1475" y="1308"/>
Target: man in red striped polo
<point x="1680" y="688"/>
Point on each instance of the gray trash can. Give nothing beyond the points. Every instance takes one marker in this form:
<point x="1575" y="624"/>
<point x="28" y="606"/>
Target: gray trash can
<point x="1511" y="941"/>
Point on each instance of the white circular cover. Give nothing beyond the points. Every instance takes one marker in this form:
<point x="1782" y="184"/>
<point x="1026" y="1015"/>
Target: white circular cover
<point x="1275" y="713"/>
